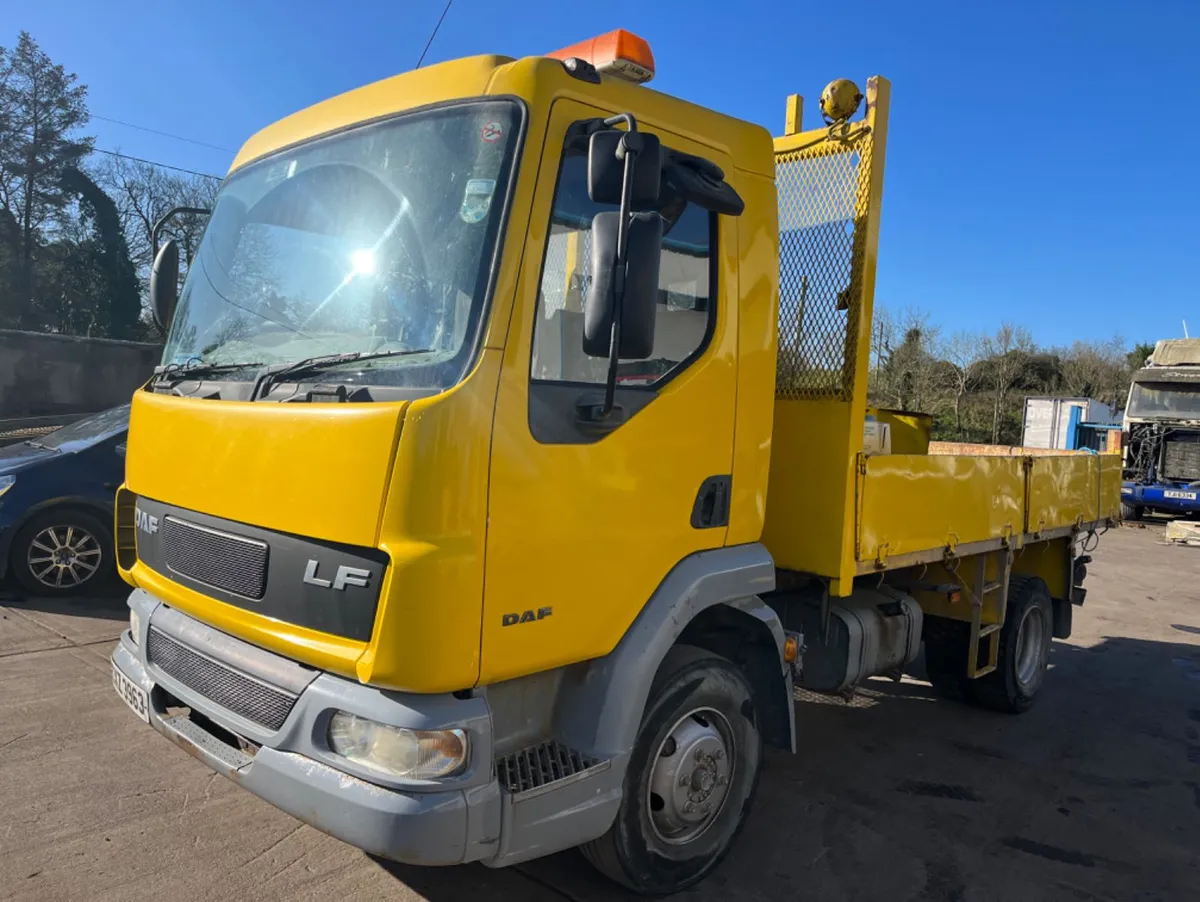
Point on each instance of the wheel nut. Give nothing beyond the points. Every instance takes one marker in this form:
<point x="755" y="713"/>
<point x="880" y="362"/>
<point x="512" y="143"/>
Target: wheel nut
<point x="683" y="780"/>
<point x="719" y="754"/>
<point x="699" y="754"/>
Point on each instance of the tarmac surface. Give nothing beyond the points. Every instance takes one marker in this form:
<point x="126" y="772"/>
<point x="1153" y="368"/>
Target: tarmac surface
<point x="1092" y="795"/>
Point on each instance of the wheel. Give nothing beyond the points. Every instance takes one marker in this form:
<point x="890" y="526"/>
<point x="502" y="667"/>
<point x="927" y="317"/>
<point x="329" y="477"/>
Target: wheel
<point x="690" y="780"/>
<point x="62" y="552"/>
<point x="1024" y="650"/>
<point x="1131" y="512"/>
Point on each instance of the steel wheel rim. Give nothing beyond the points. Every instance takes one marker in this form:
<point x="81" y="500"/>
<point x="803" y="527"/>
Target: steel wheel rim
<point x="63" y="557"/>
<point x="1031" y="651"/>
<point x="689" y="782"/>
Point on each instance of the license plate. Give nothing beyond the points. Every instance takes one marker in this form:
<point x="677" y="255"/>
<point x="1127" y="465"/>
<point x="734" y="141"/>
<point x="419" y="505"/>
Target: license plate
<point x="133" y="695"/>
<point x="1182" y="496"/>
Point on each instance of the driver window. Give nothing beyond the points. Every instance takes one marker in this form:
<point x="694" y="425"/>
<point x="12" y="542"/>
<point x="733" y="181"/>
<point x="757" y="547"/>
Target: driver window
<point x="686" y="309"/>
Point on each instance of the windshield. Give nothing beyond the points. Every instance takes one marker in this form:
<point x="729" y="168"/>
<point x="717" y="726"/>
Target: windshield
<point x="1165" y="399"/>
<point x="87" y="431"/>
<point x="380" y="238"/>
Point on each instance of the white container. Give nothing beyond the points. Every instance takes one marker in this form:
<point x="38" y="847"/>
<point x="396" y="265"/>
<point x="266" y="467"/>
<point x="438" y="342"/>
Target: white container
<point x="1051" y="422"/>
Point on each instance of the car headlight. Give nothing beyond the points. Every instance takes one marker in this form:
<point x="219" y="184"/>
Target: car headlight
<point x="6" y="483"/>
<point x="135" y="624"/>
<point x="396" y="751"/>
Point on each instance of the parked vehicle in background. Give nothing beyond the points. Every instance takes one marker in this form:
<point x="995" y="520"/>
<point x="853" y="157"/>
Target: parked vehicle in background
<point x="56" y="504"/>
<point x="1162" y="433"/>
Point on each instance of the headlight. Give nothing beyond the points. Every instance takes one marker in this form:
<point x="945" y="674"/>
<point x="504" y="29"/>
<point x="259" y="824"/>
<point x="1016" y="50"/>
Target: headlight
<point x="6" y="483"/>
<point x="395" y="751"/>
<point x="135" y="625"/>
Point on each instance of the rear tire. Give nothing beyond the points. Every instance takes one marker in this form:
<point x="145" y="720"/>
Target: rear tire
<point x="1024" y="650"/>
<point x="63" y="551"/>
<point x="1131" y="512"/>
<point x="691" y="777"/>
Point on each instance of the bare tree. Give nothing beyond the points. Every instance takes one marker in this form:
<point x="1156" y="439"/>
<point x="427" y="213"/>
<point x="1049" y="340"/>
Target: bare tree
<point x="144" y="193"/>
<point x="962" y="351"/>
<point x="1008" y="351"/>
<point x="905" y="376"/>
<point x="1095" y="369"/>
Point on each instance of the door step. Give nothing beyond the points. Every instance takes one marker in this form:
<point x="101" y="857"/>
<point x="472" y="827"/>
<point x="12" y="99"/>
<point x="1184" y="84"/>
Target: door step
<point x="546" y="765"/>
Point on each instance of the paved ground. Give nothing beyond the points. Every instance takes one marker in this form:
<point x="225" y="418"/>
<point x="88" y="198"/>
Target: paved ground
<point x="1093" y="795"/>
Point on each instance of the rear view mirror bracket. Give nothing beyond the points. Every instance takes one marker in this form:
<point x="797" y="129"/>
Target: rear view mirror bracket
<point x="164" y="274"/>
<point x="640" y="171"/>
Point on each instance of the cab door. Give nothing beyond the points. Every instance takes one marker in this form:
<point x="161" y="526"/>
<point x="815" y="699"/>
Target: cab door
<point x="584" y="524"/>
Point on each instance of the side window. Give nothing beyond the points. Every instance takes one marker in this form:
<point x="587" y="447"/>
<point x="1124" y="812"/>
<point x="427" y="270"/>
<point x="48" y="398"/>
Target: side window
<point x="686" y="308"/>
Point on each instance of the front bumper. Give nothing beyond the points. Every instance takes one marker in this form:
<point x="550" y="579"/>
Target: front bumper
<point x="1182" y="500"/>
<point x="443" y="822"/>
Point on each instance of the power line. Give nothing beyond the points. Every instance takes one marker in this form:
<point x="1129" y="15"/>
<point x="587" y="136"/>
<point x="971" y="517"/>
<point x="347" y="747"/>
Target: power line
<point x="155" y="131"/>
<point x="125" y="156"/>
<point x="433" y="34"/>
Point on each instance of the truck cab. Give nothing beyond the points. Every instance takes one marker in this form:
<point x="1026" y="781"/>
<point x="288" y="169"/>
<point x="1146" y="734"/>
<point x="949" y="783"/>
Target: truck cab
<point x="1162" y="433"/>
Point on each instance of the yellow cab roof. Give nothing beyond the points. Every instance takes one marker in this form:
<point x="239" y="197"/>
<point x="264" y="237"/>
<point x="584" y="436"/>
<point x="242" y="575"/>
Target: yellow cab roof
<point x="533" y="79"/>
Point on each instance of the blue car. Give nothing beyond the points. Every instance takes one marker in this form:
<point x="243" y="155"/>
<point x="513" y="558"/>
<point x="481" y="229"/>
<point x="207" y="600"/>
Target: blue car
<point x="56" y="505"/>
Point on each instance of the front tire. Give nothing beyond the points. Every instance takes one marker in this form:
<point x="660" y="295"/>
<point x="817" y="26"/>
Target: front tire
<point x="62" y="552"/>
<point x="691" y="777"/>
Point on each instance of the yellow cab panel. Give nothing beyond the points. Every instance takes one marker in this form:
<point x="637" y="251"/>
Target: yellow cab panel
<point x="584" y="525"/>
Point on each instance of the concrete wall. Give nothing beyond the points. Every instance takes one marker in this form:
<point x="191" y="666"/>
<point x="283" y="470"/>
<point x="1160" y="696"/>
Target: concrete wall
<point x="57" y="375"/>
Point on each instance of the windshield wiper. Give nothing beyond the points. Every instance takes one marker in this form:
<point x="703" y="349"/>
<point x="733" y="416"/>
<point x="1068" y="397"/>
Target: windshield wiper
<point x="176" y="373"/>
<point x="33" y="443"/>
<point x="272" y="374"/>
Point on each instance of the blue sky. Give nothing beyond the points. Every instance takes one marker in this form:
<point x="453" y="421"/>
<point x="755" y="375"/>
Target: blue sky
<point x="1041" y="165"/>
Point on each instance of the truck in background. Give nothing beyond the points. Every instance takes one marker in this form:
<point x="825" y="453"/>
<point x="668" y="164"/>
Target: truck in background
<point x="508" y="467"/>
<point x="1162" y="433"/>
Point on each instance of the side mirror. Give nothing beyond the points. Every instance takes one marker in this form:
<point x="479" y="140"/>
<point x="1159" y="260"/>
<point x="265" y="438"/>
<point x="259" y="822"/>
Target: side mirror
<point x="639" y="294"/>
<point x="164" y="284"/>
<point x="606" y="167"/>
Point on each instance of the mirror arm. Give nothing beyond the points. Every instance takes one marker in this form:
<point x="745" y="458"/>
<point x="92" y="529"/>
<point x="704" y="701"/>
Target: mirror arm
<point x="631" y="149"/>
<point x="167" y="217"/>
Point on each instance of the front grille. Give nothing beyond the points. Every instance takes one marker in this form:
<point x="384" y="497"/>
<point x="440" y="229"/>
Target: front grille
<point x="231" y="689"/>
<point x="540" y="765"/>
<point x="218" y="559"/>
<point x="1181" y="460"/>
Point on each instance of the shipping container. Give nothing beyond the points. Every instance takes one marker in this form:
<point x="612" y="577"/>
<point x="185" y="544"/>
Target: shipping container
<point x="1054" y="422"/>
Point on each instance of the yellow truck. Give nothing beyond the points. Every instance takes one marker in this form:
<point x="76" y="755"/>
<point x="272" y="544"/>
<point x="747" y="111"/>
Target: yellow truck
<point x="510" y="466"/>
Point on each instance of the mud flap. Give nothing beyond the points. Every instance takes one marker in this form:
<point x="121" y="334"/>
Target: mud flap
<point x="1063" y="613"/>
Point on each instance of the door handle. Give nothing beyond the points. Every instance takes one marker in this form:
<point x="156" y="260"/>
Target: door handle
<point x="711" y="508"/>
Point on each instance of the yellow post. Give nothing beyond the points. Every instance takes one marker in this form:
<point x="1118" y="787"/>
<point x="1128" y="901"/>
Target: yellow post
<point x="795" y="114"/>
<point x="866" y="239"/>
<point x="572" y="298"/>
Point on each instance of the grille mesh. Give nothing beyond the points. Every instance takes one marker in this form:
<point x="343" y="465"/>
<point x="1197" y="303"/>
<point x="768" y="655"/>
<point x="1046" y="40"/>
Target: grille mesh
<point x="539" y="765"/>
<point x="229" y="688"/>
<point x="217" y="559"/>
<point x="824" y="193"/>
<point x="1181" y="460"/>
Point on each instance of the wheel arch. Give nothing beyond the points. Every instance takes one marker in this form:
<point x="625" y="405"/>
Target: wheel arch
<point x="601" y="701"/>
<point x="94" y="506"/>
<point x="737" y="633"/>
